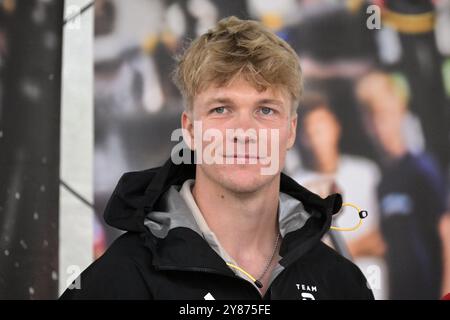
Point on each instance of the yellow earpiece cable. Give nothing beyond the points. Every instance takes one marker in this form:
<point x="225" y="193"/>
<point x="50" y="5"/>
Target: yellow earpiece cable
<point x="348" y="204"/>
<point x="243" y="271"/>
<point x="360" y="213"/>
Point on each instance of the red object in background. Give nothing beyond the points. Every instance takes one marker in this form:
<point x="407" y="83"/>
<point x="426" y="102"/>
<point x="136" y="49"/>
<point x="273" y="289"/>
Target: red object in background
<point x="379" y="3"/>
<point x="446" y="297"/>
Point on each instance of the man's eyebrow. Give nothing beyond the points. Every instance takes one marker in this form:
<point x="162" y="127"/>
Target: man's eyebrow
<point x="230" y="101"/>
<point x="270" y="101"/>
<point x="219" y="100"/>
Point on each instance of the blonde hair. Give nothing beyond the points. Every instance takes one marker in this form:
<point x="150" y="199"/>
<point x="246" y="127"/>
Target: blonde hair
<point x="235" y="48"/>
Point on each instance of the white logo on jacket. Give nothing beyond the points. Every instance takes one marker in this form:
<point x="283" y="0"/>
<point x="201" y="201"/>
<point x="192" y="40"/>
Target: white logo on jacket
<point x="307" y="291"/>
<point x="208" y="296"/>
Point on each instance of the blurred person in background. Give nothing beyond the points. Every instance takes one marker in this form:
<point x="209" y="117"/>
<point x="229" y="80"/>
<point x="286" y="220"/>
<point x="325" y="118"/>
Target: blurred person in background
<point x="326" y="170"/>
<point x="411" y="195"/>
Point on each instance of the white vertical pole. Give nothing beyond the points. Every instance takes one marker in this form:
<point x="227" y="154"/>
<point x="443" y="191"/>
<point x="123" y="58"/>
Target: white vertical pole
<point x="77" y="143"/>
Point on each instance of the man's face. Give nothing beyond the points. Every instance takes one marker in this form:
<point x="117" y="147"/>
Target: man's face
<point x="251" y="131"/>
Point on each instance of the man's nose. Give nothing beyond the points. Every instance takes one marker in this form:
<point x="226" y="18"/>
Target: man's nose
<point x="246" y="137"/>
<point x="245" y="128"/>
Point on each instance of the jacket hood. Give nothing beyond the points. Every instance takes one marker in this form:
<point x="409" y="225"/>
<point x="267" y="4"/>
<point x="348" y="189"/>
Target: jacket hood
<point x="143" y="194"/>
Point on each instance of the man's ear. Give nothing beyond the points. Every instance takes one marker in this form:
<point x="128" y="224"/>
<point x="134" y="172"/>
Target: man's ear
<point x="292" y="131"/>
<point x="187" y="125"/>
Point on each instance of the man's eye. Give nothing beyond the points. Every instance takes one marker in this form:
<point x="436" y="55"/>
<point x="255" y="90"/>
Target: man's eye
<point x="219" y="110"/>
<point x="266" y="111"/>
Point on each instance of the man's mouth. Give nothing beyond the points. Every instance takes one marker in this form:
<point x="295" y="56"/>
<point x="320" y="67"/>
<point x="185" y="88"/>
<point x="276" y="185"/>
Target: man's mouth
<point x="243" y="156"/>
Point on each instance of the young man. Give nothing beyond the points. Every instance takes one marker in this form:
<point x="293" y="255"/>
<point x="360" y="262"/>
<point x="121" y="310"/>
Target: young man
<point x="234" y="227"/>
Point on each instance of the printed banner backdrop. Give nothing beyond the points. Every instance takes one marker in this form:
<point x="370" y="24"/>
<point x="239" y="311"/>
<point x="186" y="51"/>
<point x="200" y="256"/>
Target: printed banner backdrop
<point x="30" y="68"/>
<point x="338" y="42"/>
<point x="374" y="124"/>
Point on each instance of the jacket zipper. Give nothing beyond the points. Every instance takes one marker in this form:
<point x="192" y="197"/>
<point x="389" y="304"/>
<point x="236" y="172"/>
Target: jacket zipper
<point x="214" y="271"/>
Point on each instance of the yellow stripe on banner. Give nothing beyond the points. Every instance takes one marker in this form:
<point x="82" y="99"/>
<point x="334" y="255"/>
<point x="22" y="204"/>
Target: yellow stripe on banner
<point x="409" y="23"/>
<point x="354" y="5"/>
<point x="272" y="20"/>
<point x="149" y="43"/>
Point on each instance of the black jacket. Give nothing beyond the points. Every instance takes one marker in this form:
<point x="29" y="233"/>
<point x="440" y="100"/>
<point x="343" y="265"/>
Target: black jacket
<point x="160" y="257"/>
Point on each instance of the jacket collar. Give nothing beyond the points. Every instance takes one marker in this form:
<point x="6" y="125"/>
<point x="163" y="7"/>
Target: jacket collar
<point x="140" y="193"/>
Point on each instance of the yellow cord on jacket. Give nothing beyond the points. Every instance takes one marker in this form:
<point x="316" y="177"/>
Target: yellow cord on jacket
<point x="243" y="271"/>
<point x="362" y="214"/>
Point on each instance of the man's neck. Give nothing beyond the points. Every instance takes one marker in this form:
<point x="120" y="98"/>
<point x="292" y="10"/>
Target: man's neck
<point x="246" y="225"/>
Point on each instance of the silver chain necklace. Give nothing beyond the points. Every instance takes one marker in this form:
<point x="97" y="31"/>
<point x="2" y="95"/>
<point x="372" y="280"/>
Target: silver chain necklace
<point x="258" y="283"/>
